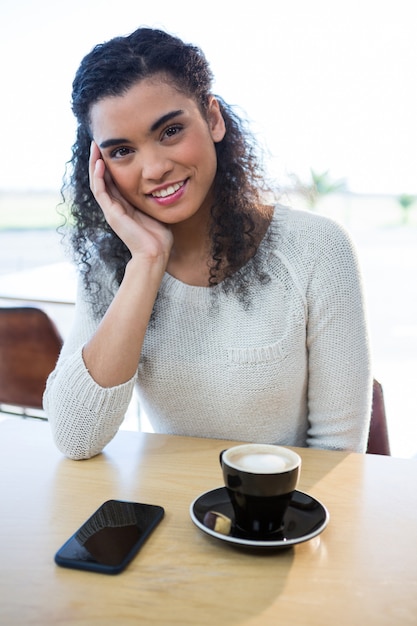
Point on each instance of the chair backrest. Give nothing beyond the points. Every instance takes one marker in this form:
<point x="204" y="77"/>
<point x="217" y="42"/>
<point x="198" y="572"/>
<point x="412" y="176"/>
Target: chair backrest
<point x="378" y="440"/>
<point x="29" y="348"/>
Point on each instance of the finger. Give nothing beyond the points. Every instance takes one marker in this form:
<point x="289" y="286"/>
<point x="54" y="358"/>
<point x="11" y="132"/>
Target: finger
<point x="98" y="183"/>
<point x="100" y="178"/>
<point x="96" y="166"/>
<point x="94" y="155"/>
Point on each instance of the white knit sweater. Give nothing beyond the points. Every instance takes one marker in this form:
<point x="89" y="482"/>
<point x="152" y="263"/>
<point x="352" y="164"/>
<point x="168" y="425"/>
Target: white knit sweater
<point x="292" y="368"/>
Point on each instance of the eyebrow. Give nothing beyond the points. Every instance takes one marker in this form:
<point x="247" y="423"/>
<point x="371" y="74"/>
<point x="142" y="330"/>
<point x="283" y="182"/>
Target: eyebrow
<point x="109" y="143"/>
<point x="165" y="118"/>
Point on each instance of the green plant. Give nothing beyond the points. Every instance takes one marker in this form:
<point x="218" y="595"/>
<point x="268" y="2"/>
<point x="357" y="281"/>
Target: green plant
<point x="406" y="202"/>
<point x="319" y="185"/>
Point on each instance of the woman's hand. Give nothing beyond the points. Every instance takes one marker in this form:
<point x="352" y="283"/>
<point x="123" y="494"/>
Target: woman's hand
<point x="112" y="354"/>
<point x="143" y="235"/>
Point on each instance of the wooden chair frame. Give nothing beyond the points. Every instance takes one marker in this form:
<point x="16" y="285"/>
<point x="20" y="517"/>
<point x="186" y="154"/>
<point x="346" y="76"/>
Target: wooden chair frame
<point x="378" y="441"/>
<point x="29" y="348"/>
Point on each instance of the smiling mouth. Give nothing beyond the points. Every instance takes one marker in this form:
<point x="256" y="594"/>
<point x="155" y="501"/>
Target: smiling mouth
<point x="168" y="191"/>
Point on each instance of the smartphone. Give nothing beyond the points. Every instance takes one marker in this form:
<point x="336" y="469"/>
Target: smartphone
<point x="111" y="537"/>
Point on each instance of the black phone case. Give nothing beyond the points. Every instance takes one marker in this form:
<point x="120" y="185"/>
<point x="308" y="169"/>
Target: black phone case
<point x="107" y="528"/>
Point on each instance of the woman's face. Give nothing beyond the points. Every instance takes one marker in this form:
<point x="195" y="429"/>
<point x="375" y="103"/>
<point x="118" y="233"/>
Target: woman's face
<point x="159" y="149"/>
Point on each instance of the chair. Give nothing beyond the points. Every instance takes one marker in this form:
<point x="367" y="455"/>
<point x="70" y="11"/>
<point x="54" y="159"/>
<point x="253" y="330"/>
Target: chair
<point x="378" y="440"/>
<point x="29" y="347"/>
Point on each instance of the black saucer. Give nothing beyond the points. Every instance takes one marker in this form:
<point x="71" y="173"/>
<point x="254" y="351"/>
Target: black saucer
<point x="305" y="518"/>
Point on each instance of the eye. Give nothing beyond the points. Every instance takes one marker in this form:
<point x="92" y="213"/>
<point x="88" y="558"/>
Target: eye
<point x="172" y="131"/>
<point x="119" y="153"/>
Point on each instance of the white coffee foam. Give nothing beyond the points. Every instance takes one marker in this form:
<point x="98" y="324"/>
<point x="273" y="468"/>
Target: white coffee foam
<point x="262" y="458"/>
<point x="262" y="463"/>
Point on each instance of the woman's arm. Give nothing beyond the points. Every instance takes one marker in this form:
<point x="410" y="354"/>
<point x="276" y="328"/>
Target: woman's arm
<point x="112" y="354"/>
<point x="340" y="379"/>
<point x="88" y="393"/>
<point x="83" y="416"/>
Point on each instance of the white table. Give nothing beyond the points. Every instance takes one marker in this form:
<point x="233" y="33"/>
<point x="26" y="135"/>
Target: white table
<point x="47" y="284"/>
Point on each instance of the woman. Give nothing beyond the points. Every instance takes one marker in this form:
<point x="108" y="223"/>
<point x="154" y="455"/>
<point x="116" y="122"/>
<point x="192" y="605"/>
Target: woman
<point x="234" y="319"/>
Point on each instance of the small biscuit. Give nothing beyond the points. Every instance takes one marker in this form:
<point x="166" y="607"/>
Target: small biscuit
<point x="218" y="522"/>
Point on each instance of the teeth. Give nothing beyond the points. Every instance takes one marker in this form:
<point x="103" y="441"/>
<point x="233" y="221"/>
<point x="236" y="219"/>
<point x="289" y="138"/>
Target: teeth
<point x="163" y="193"/>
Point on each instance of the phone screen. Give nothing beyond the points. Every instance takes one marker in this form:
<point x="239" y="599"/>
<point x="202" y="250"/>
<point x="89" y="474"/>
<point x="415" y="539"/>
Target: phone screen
<point x="111" y="537"/>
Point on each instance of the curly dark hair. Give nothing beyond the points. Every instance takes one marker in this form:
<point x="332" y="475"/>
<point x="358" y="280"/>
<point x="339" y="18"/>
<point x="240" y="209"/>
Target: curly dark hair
<point x="111" y="69"/>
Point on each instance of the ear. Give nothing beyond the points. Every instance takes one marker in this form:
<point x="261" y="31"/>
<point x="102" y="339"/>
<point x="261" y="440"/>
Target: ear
<point x="215" y="120"/>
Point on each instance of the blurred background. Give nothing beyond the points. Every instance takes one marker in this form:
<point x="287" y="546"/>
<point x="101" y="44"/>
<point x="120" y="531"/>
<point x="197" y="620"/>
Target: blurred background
<point x="330" y="91"/>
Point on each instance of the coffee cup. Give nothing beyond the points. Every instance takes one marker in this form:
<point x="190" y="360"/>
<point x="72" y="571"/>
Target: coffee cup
<point x="260" y="480"/>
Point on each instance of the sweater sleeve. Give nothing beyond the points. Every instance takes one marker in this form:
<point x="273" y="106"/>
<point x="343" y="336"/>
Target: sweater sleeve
<point x="83" y="416"/>
<point x="340" y="382"/>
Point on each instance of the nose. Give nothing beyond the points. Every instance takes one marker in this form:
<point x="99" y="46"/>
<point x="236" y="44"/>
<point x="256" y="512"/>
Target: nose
<point x="155" y="164"/>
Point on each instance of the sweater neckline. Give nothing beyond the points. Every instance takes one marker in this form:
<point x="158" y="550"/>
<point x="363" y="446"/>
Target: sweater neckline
<point x="174" y="288"/>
